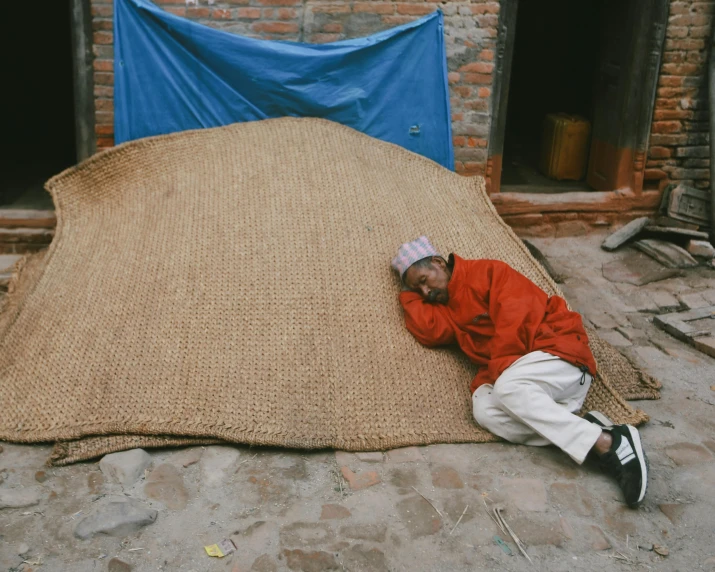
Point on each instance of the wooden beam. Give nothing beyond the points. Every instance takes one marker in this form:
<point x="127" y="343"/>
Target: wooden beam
<point x="610" y="201"/>
<point x="81" y="18"/>
<point x="18" y="218"/>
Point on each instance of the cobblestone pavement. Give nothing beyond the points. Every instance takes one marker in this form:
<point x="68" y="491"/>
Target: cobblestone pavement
<point x="418" y="508"/>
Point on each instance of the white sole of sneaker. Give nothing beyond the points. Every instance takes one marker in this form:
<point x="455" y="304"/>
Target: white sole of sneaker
<point x="640" y="455"/>
<point x="601" y="418"/>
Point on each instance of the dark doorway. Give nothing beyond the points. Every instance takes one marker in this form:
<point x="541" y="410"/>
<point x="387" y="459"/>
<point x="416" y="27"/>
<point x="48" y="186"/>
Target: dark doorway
<point x="554" y="65"/>
<point x="38" y="136"/>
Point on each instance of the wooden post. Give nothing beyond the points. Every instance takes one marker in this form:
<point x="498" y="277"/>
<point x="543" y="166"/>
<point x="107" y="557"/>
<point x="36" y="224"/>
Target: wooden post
<point x="83" y="80"/>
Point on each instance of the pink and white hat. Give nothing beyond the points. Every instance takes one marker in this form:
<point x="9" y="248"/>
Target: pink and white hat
<point x="412" y="252"/>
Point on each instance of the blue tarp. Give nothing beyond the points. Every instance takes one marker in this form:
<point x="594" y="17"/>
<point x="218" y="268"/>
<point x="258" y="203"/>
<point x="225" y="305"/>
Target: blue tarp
<point x="172" y="74"/>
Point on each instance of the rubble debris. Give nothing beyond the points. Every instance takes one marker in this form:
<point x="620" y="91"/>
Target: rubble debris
<point x="682" y="232"/>
<point x="696" y="327"/>
<point x="689" y="204"/>
<point x="223" y="548"/>
<point x="624" y="234"/>
<point x="669" y="255"/>
<point x="701" y="249"/>
<point x="126" y="467"/>
<point x="638" y="269"/>
<point x="20" y="498"/>
<point x="541" y="259"/>
<point x="115" y="519"/>
<point x="671" y="222"/>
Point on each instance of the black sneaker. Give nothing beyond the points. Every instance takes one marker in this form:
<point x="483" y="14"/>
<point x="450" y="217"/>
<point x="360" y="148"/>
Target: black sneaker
<point x="627" y="463"/>
<point x="598" y="418"/>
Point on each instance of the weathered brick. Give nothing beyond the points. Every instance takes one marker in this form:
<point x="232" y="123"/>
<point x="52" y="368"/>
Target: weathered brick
<point x="176" y="10"/>
<point x="478" y="67"/>
<point x="249" y="13"/>
<point x="477" y="78"/>
<point x="198" y="12"/>
<point x="103" y="65"/>
<point x="331" y="8"/>
<point x="660" y="152"/>
<point x="103" y="38"/>
<point x="333" y="27"/>
<point x="374" y="7"/>
<point x="415" y="9"/>
<point x="275" y="27"/>
<point x="322" y="38"/>
<point x="102" y="11"/>
<point x="101" y="25"/>
<point x="666" y="126"/>
<point x="485" y="8"/>
<point x="221" y="14"/>
<point x="104" y="105"/>
<point x="103" y="78"/>
<point x="670" y="114"/>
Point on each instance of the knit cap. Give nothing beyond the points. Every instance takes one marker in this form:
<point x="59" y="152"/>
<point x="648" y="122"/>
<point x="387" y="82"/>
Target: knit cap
<point x="412" y="252"/>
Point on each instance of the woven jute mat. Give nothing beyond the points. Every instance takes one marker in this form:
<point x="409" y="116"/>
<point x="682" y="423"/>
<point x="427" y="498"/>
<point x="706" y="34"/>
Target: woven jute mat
<point x="234" y="285"/>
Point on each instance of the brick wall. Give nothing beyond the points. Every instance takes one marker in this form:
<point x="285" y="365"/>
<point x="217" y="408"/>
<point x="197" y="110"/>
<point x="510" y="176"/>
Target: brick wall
<point x="470" y="30"/>
<point x="679" y="149"/>
<point x="679" y="140"/>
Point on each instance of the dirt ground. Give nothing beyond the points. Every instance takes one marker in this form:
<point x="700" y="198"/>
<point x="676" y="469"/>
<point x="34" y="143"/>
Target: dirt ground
<point x="419" y="508"/>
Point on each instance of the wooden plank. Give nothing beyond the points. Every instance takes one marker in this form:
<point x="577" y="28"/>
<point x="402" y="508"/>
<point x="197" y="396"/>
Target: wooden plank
<point x="616" y="201"/>
<point x="17" y="218"/>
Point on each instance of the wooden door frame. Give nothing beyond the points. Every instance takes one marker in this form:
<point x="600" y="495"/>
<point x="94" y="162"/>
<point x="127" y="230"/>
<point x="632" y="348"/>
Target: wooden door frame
<point x="83" y="77"/>
<point x="648" y="49"/>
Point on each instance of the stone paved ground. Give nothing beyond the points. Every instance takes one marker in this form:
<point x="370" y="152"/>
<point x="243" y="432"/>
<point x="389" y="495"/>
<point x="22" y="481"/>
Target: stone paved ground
<point x="314" y="511"/>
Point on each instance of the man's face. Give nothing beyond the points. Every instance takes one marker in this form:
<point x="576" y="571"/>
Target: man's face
<point x="429" y="280"/>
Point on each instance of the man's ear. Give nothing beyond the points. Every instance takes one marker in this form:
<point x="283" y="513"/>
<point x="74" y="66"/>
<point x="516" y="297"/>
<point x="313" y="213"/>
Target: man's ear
<point x="439" y="261"/>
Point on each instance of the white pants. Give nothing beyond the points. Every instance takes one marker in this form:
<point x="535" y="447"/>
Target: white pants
<point x="533" y="402"/>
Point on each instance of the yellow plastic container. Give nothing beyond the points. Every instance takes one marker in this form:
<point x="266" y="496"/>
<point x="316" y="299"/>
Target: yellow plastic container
<point x="564" y="147"/>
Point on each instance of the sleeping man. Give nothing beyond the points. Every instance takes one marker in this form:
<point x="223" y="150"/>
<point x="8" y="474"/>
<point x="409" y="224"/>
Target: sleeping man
<point x="535" y="365"/>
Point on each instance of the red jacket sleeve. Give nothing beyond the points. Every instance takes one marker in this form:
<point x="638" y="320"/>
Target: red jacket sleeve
<point x="427" y="322"/>
<point x="516" y="307"/>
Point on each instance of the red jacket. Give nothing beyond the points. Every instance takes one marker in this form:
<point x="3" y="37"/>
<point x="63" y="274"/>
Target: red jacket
<point x="497" y="315"/>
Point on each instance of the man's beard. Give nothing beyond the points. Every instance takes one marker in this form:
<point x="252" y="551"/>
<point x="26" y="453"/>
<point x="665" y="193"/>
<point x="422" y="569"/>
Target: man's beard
<point x="432" y="297"/>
